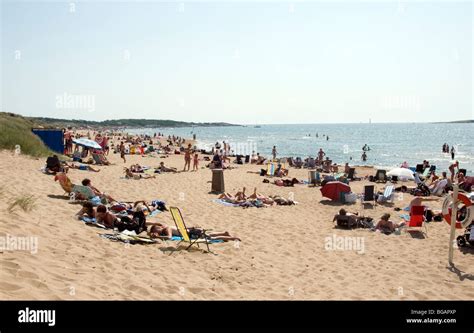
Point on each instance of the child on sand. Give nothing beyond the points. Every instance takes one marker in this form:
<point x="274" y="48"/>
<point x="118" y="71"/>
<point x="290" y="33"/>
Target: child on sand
<point x="195" y="162"/>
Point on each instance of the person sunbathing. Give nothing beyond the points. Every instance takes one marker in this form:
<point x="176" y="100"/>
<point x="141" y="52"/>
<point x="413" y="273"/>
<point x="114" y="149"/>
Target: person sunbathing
<point x="53" y="165"/>
<point x="163" y="231"/>
<point x="280" y="172"/>
<point x="87" y="210"/>
<point x="82" y="167"/>
<point x="257" y="196"/>
<point x="136" y="168"/>
<point x="130" y="175"/>
<point x="386" y="226"/>
<point x="286" y="182"/>
<point x="106" y="218"/>
<point x="238" y="197"/>
<point x="164" y="168"/>
<point x="345" y="219"/>
<point x="282" y="201"/>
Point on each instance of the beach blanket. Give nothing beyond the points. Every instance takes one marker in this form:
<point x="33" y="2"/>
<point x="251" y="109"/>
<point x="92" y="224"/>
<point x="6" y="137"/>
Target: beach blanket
<point x="405" y="217"/>
<point x="211" y="241"/>
<point x="225" y="203"/>
<point x="122" y="237"/>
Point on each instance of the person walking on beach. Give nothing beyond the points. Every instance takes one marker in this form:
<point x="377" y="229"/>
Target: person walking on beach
<point x="274" y="152"/>
<point x="122" y="152"/>
<point x="187" y="157"/>
<point x="453" y="152"/>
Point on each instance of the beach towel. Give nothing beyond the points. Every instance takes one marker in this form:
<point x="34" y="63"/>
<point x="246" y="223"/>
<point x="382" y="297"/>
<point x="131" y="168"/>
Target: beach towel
<point x="225" y="203"/>
<point x="405" y="217"/>
<point x="212" y="241"/>
<point x="121" y="237"/>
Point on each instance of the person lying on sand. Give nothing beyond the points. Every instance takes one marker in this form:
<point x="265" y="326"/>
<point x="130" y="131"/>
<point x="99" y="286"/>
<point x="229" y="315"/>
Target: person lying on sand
<point x="287" y="182"/>
<point x="81" y="167"/>
<point x="163" y="231"/>
<point x="130" y="175"/>
<point x="386" y="226"/>
<point x="238" y="197"/>
<point x="106" y="218"/>
<point x="87" y="210"/>
<point x="164" y="168"/>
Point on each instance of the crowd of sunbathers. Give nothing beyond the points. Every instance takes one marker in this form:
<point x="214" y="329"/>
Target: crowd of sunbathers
<point x="255" y="199"/>
<point x="100" y="209"/>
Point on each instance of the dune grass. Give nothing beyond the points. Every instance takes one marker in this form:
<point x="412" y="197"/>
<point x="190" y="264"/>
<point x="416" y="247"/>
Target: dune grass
<point x="16" y="130"/>
<point x="26" y="202"/>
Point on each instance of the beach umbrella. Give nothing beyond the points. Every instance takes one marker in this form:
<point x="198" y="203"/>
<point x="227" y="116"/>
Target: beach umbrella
<point x="333" y="190"/>
<point x="401" y="173"/>
<point x="87" y="143"/>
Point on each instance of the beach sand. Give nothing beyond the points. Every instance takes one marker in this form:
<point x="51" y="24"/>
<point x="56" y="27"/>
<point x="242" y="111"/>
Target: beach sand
<point x="283" y="253"/>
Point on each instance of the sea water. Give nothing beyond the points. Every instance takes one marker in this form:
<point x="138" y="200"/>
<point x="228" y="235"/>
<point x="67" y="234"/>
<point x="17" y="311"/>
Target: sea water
<point x="390" y="144"/>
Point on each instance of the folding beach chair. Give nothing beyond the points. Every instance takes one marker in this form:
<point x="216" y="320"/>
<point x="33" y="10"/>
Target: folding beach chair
<point x="314" y="177"/>
<point x="179" y="222"/>
<point x="417" y="219"/>
<point x="388" y="194"/>
<point x="369" y="194"/>
<point x="271" y="169"/>
<point x="381" y="176"/>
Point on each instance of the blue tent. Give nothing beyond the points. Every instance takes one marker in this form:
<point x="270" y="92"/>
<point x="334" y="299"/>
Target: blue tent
<point x="52" y="138"/>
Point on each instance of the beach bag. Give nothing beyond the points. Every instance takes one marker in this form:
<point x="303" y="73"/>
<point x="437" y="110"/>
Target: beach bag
<point x="366" y="222"/>
<point x="350" y="197"/>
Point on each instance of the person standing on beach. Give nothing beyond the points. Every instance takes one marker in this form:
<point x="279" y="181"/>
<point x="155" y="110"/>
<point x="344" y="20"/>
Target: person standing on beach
<point x="274" y="152"/>
<point x="453" y="151"/>
<point x="196" y="162"/>
<point x="321" y="155"/>
<point x="122" y="152"/>
<point x="452" y="168"/>
<point x="187" y="157"/>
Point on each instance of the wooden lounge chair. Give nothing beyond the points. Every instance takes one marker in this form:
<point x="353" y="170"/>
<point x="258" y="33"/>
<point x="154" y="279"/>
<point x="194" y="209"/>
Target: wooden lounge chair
<point x="179" y="222"/>
<point x="417" y="219"/>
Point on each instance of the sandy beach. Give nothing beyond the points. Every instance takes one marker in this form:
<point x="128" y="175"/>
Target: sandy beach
<point x="283" y="253"/>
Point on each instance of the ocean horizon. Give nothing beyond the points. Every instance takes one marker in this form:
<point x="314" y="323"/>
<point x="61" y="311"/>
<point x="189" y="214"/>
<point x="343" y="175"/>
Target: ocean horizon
<point x="390" y="143"/>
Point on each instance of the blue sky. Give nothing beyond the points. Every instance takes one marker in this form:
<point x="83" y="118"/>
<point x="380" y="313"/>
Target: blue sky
<point x="240" y="62"/>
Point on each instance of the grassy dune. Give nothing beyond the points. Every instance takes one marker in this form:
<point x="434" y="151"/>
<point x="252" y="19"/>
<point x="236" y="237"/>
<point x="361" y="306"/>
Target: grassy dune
<point x="16" y="130"/>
